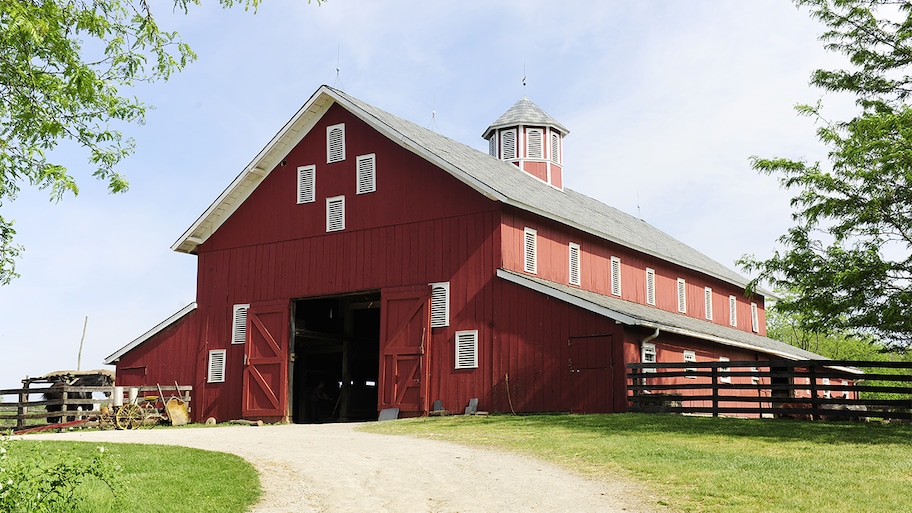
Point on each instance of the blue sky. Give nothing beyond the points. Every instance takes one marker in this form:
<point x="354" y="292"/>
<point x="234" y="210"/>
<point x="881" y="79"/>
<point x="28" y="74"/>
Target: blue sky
<point x="665" y="102"/>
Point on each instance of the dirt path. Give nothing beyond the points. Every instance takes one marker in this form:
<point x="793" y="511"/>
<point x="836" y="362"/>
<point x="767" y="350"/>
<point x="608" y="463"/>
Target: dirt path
<point x="335" y="468"/>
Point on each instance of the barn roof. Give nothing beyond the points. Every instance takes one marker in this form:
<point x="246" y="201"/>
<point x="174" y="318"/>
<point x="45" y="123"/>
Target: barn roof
<point x="635" y="314"/>
<point x="524" y="112"/>
<point x="496" y="179"/>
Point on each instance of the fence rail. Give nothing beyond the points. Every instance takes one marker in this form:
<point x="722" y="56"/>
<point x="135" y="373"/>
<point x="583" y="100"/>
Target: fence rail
<point x="28" y="406"/>
<point x="830" y="389"/>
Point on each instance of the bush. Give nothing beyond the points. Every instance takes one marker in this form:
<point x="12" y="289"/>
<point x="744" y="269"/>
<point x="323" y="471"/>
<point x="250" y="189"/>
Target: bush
<point x="57" y="483"/>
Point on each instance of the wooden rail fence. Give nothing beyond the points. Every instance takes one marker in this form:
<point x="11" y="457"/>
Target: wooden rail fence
<point x="27" y="406"/>
<point x="811" y="389"/>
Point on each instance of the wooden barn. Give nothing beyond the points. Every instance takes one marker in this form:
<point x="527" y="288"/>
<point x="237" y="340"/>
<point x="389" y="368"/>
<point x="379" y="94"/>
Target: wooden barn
<point x="361" y="262"/>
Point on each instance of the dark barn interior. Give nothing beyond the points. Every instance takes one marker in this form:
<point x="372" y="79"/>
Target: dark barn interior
<point x="335" y="363"/>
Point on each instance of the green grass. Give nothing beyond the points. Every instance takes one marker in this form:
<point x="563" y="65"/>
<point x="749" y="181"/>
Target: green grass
<point x="708" y="464"/>
<point x="155" y="478"/>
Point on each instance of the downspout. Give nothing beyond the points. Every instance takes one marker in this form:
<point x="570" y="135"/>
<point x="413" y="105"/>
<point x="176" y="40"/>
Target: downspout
<point x="649" y="338"/>
<point x="643" y="380"/>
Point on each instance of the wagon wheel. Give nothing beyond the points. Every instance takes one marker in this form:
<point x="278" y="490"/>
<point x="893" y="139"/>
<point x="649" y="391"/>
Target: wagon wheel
<point x="150" y="415"/>
<point x="128" y="416"/>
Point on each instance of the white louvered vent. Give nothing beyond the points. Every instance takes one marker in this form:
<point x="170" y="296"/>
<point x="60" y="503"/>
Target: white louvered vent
<point x="492" y="145"/>
<point x="535" y="145"/>
<point x="335" y="213"/>
<point x="367" y="173"/>
<point x="690" y="356"/>
<point x="616" y="276"/>
<point x="239" y="324"/>
<point x="440" y="304"/>
<point x="216" y="372"/>
<point x="755" y="318"/>
<point x="555" y="148"/>
<point x="733" y="311"/>
<point x="530" y="251"/>
<point x="648" y="355"/>
<point x="307" y="178"/>
<point x="708" y="300"/>
<point x="682" y="296"/>
<point x="650" y="286"/>
<point x="467" y="349"/>
<point x="724" y="376"/>
<point x="508" y="144"/>
<point x="574" y="264"/>
<point x="335" y="143"/>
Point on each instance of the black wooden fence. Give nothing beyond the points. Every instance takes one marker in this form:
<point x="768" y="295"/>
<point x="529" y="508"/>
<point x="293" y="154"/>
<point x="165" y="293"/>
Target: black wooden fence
<point x="815" y="389"/>
<point x="25" y="407"/>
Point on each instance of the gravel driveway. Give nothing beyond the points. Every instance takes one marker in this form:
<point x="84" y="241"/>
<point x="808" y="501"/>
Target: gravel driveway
<point x="335" y="468"/>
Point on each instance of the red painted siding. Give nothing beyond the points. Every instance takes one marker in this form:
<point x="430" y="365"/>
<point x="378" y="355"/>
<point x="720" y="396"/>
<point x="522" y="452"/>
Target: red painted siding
<point x="595" y="270"/>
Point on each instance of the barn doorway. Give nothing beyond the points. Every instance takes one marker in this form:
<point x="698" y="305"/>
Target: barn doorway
<point x="335" y="360"/>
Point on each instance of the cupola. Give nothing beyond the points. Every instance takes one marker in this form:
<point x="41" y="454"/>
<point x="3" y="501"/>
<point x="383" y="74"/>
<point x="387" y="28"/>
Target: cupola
<point x="531" y="139"/>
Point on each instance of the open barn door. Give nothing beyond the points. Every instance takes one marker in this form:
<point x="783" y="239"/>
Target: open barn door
<point x="265" y="392"/>
<point x="405" y="332"/>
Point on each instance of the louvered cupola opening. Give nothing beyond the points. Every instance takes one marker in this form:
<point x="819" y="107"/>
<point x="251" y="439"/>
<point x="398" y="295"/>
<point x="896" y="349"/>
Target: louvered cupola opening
<point x="532" y="140"/>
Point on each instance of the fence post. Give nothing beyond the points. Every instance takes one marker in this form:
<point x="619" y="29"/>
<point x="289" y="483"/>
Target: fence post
<point x="22" y="407"/>
<point x="715" y="393"/>
<point x="812" y="377"/>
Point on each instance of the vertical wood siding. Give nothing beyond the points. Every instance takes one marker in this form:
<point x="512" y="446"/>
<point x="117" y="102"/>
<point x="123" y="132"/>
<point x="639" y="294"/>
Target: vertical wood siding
<point x="595" y="270"/>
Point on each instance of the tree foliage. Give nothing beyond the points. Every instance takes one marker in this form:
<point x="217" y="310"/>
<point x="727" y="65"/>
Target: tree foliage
<point x="847" y="261"/>
<point x="65" y="67"/>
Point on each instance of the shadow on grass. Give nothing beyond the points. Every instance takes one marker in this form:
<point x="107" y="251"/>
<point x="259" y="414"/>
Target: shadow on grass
<point x="871" y="433"/>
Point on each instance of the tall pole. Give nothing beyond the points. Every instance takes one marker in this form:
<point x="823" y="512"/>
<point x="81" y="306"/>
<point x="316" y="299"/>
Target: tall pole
<point x="79" y="358"/>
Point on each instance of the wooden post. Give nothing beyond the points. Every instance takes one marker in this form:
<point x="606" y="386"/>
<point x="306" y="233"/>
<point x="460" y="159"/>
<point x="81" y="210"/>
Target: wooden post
<point x="22" y="407"/>
<point x="715" y="393"/>
<point x="812" y="377"/>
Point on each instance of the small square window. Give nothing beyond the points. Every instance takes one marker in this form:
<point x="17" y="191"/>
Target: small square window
<point x="690" y="356"/>
<point x="648" y="355"/>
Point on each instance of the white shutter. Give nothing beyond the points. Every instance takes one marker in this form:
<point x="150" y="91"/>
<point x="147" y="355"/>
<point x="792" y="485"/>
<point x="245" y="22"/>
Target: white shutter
<point x="682" y="296"/>
<point x="690" y="356"/>
<point x="492" y="145"/>
<point x="648" y="355"/>
<point x="239" y="324"/>
<point x="733" y="311"/>
<point x="508" y="144"/>
<point x="555" y="147"/>
<point x="616" y="276"/>
<point x="440" y="304"/>
<point x="335" y="213"/>
<point x="574" y="264"/>
<point x="534" y="144"/>
<point x="216" y="366"/>
<point x="307" y="177"/>
<point x="467" y="349"/>
<point x="335" y="143"/>
<point x="367" y="173"/>
<point x="530" y="250"/>
<point x="755" y="318"/>
<point x="708" y="300"/>
<point x="724" y="376"/>
<point x="650" y="286"/>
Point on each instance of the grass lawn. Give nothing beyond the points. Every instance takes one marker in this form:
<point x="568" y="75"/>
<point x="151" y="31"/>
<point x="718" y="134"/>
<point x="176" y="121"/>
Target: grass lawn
<point x="708" y="464"/>
<point x="152" y="478"/>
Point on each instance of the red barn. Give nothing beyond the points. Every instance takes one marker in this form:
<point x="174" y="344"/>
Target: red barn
<point x="362" y="262"/>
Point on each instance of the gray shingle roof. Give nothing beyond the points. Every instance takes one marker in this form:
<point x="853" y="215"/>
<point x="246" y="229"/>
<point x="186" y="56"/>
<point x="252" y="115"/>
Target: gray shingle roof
<point x="525" y="112"/>
<point x="503" y="181"/>
<point x="630" y="313"/>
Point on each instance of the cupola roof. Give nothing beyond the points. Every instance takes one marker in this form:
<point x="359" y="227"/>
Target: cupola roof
<point x="525" y="112"/>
